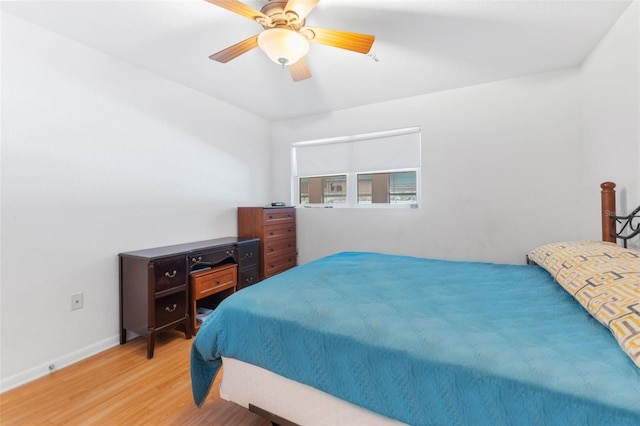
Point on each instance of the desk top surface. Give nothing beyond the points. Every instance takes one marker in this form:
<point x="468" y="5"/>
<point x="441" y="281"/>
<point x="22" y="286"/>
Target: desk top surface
<point x="186" y="248"/>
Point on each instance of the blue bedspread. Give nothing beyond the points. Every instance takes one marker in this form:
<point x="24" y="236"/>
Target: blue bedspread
<point x="427" y="342"/>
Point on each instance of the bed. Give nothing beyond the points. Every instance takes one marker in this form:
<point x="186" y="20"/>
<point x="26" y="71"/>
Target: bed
<point x="371" y="338"/>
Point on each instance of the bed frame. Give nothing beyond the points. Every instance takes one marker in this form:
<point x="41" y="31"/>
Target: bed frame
<point x="615" y="227"/>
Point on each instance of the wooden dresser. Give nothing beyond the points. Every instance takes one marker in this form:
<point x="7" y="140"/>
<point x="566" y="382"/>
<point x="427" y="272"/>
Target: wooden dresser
<point x="276" y="229"/>
<point x="162" y="288"/>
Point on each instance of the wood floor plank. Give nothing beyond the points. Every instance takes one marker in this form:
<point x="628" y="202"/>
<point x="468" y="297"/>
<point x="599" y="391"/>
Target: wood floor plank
<point x="121" y="386"/>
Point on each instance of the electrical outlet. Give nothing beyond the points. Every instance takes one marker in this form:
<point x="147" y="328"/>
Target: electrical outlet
<point x="76" y="301"/>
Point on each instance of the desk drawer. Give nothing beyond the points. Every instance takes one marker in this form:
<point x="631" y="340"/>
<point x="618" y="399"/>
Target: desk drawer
<point x="248" y="254"/>
<point x="212" y="257"/>
<point x="247" y="278"/>
<point x="169" y="273"/>
<point x="170" y="308"/>
<point x="206" y="283"/>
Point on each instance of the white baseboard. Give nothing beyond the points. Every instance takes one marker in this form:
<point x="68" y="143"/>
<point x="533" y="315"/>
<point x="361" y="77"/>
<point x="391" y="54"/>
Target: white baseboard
<point x="64" y="361"/>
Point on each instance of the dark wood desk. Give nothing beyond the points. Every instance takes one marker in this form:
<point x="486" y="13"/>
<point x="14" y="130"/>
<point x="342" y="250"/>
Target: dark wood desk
<point x="154" y="283"/>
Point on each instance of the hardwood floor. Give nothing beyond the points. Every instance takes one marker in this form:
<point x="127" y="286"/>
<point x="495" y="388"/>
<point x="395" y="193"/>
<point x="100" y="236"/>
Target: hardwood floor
<point x="121" y="386"/>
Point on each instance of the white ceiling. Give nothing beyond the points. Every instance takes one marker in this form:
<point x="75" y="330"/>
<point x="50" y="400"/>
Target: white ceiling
<point x="421" y="46"/>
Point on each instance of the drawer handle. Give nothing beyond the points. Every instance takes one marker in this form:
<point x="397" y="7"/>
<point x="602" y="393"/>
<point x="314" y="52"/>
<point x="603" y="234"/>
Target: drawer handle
<point x="173" y="308"/>
<point x="248" y="255"/>
<point x="171" y="275"/>
<point x="229" y="252"/>
<point x="270" y="217"/>
<point x="271" y="249"/>
<point x="249" y="280"/>
<point x="198" y="259"/>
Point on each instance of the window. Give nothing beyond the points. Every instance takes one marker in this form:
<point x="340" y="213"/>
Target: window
<point x="323" y="190"/>
<point x="390" y="188"/>
<point x="373" y="169"/>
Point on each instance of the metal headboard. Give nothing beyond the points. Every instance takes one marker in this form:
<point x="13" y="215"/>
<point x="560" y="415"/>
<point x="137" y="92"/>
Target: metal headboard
<point x="627" y="226"/>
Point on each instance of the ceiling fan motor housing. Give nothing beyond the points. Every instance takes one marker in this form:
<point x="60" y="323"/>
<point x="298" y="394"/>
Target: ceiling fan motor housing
<point x="278" y="18"/>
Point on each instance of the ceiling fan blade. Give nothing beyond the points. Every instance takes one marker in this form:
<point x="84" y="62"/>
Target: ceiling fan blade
<point x="240" y="8"/>
<point x="299" y="70"/>
<point x="360" y="43"/>
<point x="300" y="7"/>
<point x="236" y="50"/>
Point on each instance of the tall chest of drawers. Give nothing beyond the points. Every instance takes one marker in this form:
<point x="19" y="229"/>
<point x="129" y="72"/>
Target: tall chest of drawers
<point x="276" y="229"/>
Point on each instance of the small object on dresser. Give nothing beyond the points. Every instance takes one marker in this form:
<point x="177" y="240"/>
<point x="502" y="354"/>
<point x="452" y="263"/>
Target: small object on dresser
<point x="278" y="204"/>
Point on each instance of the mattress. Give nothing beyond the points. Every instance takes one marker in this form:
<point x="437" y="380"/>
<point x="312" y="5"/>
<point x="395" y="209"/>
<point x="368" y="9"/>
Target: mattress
<point x="246" y="384"/>
<point x="427" y="341"/>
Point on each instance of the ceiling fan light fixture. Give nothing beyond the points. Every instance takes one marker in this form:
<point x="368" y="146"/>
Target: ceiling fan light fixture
<point x="283" y="46"/>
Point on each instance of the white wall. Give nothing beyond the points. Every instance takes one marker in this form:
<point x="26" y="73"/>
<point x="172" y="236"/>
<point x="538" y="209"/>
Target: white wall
<point x="507" y="165"/>
<point x="98" y="158"/>
<point x="501" y="172"/>
<point x="610" y="108"/>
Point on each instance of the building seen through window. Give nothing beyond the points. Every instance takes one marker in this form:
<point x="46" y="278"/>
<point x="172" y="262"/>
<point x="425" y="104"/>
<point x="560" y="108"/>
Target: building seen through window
<point x="323" y="190"/>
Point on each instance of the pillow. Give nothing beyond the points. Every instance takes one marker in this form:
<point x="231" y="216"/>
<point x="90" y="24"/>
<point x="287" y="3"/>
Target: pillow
<point x="605" y="279"/>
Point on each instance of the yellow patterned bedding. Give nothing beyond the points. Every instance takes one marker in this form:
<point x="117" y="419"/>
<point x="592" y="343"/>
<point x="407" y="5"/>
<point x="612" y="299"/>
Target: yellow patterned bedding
<point x="605" y="279"/>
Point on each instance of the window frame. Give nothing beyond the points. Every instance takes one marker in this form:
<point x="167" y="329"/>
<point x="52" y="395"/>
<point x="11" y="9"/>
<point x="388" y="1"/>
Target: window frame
<point x="352" y="177"/>
<point x="389" y="193"/>
<point x="323" y="192"/>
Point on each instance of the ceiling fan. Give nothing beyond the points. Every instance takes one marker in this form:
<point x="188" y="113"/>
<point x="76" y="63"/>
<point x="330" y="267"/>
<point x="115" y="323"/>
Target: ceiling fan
<point x="285" y="38"/>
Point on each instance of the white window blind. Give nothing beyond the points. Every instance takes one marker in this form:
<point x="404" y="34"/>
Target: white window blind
<point x="388" y="150"/>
